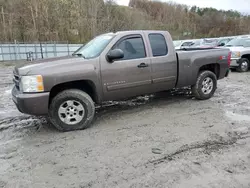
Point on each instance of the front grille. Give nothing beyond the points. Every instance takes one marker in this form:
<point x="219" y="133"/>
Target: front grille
<point x="16" y="81"/>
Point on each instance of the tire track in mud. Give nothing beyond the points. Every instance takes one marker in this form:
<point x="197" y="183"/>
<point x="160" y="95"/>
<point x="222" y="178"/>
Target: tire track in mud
<point x="20" y="121"/>
<point x="233" y="98"/>
<point x="13" y="130"/>
<point x="208" y="146"/>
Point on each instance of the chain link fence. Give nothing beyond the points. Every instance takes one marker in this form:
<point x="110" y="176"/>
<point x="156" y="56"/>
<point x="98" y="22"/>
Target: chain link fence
<point x="35" y="50"/>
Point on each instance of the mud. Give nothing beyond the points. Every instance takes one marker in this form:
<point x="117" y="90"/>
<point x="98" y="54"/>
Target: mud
<point x="167" y="139"/>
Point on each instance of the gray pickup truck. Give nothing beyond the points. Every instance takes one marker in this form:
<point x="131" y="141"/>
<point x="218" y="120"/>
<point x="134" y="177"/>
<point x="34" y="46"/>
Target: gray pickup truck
<point x="114" y="66"/>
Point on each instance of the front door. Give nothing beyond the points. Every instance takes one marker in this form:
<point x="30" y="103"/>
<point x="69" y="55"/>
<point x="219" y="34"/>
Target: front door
<point x="129" y="76"/>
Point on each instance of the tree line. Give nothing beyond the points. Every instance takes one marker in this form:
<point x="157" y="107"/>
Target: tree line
<point x="77" y="21"/>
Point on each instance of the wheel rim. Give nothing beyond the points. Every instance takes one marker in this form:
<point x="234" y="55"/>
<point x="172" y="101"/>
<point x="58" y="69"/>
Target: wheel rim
<point x="244" y="65"/>
<point x="207" y="85"/>
<point x="71" y="112"/>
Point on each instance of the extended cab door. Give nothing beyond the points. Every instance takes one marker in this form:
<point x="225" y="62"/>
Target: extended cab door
<point x="129" y="76"/>
<point x="163" y="60"/>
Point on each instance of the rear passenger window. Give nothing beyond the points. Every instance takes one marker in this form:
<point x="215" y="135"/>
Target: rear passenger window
<point x="158" y="45"/>
<point x="133" y="48"/>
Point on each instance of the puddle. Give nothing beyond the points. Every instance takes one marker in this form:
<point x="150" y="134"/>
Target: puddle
<point x="237" y="117"/>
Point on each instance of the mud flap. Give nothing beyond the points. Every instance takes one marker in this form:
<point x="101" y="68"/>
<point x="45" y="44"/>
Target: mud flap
<point x="227" y="73"/>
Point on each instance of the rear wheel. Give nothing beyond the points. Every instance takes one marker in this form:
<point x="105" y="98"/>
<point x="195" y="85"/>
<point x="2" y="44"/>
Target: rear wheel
<point x="71" y="110"/>
<point x="205" y="86"/>
<point x="243" y="65"/>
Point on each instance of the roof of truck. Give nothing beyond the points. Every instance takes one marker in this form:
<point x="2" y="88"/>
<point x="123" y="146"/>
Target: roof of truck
<point x="131" y="31"/>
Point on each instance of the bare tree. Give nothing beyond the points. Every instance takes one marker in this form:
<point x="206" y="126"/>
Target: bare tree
<point x="80" y="20"/>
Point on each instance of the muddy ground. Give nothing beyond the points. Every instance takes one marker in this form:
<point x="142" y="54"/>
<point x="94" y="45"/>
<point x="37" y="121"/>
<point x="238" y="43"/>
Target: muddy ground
<point x="163" y="140"/>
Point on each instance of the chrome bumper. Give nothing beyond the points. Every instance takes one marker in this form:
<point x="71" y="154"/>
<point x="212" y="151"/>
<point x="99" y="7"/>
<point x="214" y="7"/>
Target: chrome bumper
<point x="234" y="62"/>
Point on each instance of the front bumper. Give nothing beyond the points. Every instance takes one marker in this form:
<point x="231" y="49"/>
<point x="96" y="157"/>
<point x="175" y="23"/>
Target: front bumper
<point x="234" y="62"/>
<point x="31" y="103"/>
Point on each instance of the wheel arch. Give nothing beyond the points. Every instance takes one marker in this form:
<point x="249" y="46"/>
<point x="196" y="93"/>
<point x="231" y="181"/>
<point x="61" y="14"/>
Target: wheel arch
<point x="246" y="56"/>
<point x="214" y="67"/>
<point x="87" y="86"/>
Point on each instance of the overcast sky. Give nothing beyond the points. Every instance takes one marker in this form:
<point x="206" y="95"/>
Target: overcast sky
<point x="240" y="5"/>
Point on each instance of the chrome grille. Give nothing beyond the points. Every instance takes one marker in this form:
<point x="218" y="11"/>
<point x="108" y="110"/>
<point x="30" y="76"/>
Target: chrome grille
<point x="16" y="80"/>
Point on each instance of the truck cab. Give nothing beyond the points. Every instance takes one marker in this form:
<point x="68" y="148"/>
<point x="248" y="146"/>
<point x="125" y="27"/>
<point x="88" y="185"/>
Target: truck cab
<point x="148" y="64"/>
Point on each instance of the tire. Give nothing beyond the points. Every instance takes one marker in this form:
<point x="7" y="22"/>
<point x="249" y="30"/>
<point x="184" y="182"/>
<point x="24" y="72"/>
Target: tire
<point x="205" y="86"/>
<point x="243" y="65"/>
<point x="71" y="110"/>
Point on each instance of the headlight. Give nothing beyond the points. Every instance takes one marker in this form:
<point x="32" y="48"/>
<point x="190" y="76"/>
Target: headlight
<point x="235" y="54"/>
<point x="32" y="83"/>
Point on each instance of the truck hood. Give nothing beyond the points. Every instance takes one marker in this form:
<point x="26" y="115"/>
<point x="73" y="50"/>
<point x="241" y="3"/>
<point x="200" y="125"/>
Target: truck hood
<point x="236" y="48"/>
<point x="45" y="65"/>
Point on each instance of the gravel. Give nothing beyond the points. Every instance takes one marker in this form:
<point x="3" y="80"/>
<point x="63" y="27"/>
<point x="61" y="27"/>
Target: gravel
<point x="167" y="139"/>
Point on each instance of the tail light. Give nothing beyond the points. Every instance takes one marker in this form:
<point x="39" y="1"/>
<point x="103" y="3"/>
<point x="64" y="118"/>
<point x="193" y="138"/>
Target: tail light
<point x="229" y="58"/>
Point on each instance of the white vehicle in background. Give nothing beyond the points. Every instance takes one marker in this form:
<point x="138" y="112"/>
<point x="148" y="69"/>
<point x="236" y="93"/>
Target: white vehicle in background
<point x="179" y="44"/>
<point x="240" y="48"/>
<point x="204" y="43"/>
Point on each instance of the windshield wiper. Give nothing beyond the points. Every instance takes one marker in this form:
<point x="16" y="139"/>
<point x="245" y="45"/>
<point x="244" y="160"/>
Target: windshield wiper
<point x="80" y="55"/>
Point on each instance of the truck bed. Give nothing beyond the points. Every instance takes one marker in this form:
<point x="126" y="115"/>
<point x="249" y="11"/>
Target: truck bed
<point x="190" y="61"/>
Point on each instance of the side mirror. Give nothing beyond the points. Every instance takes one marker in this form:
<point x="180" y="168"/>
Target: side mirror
<point x="115" y="54"/>
<point x="222" y="44"/>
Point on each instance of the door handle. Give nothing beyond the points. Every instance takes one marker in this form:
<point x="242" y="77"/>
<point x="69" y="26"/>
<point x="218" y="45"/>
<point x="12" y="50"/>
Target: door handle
<point x="142" y="65"/>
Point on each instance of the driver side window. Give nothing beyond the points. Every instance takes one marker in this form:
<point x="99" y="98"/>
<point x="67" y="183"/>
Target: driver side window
<point x="133" y="48"/>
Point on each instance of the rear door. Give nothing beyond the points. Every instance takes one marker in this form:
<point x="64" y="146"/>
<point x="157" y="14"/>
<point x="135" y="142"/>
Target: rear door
<point x="163" y="61"/>
<point x="129" y="76"/>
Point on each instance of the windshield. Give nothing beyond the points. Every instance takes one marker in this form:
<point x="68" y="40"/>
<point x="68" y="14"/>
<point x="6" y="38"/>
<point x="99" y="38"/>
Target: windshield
<point x="225" y="41"/>
<point x="196" y="43"/>
<point x="94" y="47"/>
<point x="239" y="42"/>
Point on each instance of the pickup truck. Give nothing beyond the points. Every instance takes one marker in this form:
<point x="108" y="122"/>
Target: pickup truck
<point x="240" y="48"/>
<point x="114" y="66"/>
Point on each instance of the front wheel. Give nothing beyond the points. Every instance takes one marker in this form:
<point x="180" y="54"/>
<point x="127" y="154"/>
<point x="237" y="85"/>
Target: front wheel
<point x="243" y="65"/>
<point x="71" y="110"/>
<point x="205" y="86"/>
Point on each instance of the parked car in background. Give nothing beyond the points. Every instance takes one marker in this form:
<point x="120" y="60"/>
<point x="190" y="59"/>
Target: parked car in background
<point x="204" y="43"/>
<point x="179" y="44"/>
<point x="240" y="48"/>
<point x="110" y="67"/>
